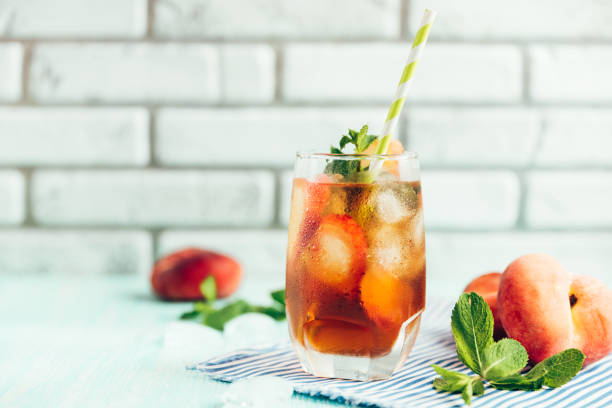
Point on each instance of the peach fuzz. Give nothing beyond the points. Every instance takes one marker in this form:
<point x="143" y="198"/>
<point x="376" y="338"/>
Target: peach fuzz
<point x="486" y="286"/>
<point x="549" y="310"/>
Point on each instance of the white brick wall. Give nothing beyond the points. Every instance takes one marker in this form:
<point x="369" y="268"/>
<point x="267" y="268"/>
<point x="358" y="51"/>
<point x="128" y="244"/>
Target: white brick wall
<point x="470" y="199"/>
<point x="248" y="73"/>
<point x="519" y="19"/>
<point x="277" y="18"/>
<point x="77" y="253"/>
<point x="78" y="18"/>
<point x="580" y="137"/>
<point x="369" y="72"/>
<point x="562" y="199"/>
<point x="74" y="136"/>
<point x="125" y="73"/>
<point x="168" y="115"/>
<point x="283" y="131"/>
<point x="12" y="197"/>
<point x="473" y="136"/>
<point x="154" y="198"/>
<point x="11" y="55"/>
<point x="571" y="73"/>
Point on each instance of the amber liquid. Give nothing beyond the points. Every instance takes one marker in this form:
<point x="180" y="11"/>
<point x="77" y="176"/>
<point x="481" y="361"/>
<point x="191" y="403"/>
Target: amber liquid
<point x="339" y="304"/>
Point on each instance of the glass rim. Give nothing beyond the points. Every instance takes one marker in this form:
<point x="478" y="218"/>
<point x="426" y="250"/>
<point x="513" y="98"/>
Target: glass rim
<point x="353" y="156"/>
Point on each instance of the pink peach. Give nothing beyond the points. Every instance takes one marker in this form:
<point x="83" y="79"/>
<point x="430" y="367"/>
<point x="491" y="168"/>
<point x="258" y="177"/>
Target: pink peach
<point x="549" y="310"/>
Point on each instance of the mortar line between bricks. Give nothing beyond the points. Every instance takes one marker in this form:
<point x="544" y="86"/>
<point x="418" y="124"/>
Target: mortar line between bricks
<point x="25" y="73"/>
<point x="418" y="104"/>
<point x="535" y="41"/>
<point x="526" y="76"/>
<point x="151" y="138"/>
<point x="28" y="219"/>
<point x="278" y="186"/>
<point x="404" y="16"/>
<point x="521" y="222"/>
<point x="279" y="75"/>
<point x="232" y="228"/>
<point x="272" y="169"/>
<point x="150" y="19"/>
<point x="155" y="234"/>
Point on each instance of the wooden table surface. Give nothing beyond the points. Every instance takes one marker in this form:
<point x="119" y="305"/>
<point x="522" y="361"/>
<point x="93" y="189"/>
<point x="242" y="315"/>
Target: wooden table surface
<point x="82" y="342"/>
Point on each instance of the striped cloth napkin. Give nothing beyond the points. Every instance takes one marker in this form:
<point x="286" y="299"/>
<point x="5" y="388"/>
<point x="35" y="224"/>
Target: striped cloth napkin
<point x="411" y="386"/>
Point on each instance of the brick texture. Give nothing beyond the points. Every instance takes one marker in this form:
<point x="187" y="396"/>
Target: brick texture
<point x="330" y="72"/>
<point x="567" y="199"/>
<point x="470" y="199"/>
<point x="125" y="73"/>
<point x="73" y="18"/>
<point x="520" y="19"/>
<point x="154" y="198"/>
<point x="124" y="121"/>
<point x="12" y="197"/>
<point x="575" y="137"/>
<point x="74" y="136"/>
<point x="473" y="136"/>
<point x="77" y="253"/>
<point x="268" y="136"/>
<point x="248" y="73"/>
<point x="571" y="73"/>
<point x="277" y="19"/>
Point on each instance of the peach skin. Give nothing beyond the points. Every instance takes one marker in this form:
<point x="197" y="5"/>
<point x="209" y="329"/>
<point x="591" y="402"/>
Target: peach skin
<point x="549" y="310"/>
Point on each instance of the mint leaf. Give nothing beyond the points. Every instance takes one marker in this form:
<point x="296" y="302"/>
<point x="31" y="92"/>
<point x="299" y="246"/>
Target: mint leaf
<point x="218" y="318"/>
<point x="278" y="296"/>
<point x="558" y="369"/>
<point x="190" y="315"/>
<point x="344" y="141"/>
<point x="350" y="169"/>
<point x="455" y="382"/>
<point x="273" y="312"/>
<point x="518" y="382"/>
<point x="451" y="376"/>
<point x="478" y="386"/>
<point x="472" y="326"/>
<point x="503" y="358"/>
<point x="208" y="287"/>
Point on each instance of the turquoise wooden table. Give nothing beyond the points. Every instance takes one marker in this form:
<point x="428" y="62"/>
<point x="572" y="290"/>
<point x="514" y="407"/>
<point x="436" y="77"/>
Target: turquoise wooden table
<point x="80" y="342"/>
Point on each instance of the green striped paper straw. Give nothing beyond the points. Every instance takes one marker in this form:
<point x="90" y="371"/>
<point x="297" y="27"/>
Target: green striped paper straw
<point x="404" y="84"/>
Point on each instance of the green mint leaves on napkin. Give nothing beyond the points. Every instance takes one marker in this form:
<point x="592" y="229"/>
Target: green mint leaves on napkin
<point x="217" y="317"/>
<point x="349" y="168"/>
<point x="499" y="363"/>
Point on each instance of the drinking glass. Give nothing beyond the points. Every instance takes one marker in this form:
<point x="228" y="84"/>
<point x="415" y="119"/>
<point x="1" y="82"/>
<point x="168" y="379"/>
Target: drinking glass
<point x="355" y="277"/>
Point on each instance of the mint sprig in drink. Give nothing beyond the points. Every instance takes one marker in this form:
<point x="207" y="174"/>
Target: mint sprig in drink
<point x="355" y="281"/>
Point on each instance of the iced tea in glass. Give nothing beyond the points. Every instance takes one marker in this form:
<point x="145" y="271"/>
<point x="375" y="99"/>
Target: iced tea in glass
<point x="355" y="282"/>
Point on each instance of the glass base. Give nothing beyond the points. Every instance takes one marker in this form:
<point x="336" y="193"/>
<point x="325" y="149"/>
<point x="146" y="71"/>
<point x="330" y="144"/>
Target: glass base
<point x="361" y="368"/>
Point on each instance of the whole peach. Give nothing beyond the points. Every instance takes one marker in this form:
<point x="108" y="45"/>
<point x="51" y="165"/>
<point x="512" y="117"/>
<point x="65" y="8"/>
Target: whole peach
<point x="486" y="286"/>
<point x="549" y="310"/>
<point x="178" y="276"/>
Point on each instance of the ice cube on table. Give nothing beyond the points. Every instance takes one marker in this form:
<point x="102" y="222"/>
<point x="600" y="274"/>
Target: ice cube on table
<point x="251" y="329"/>
<point x="187" y="343"/>
<point x="258" y="392"/>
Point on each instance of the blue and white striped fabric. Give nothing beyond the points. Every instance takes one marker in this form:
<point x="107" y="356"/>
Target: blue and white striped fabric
<point x="411" y="386"/>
